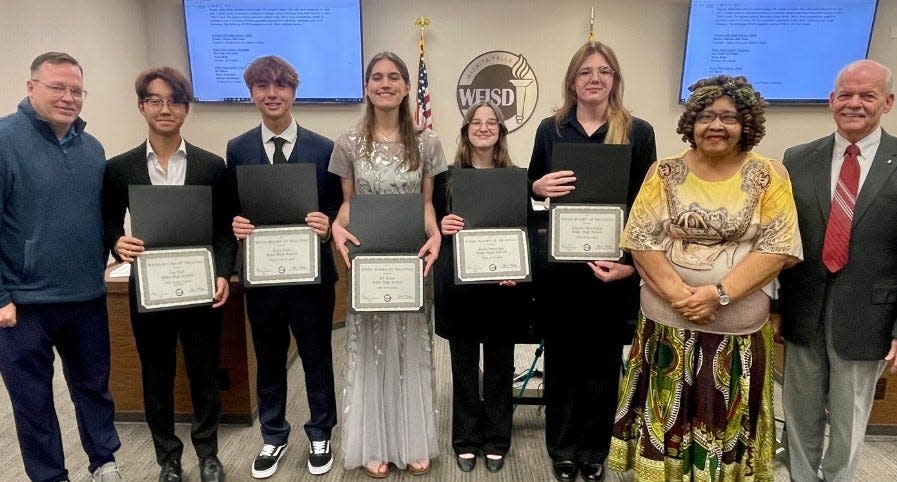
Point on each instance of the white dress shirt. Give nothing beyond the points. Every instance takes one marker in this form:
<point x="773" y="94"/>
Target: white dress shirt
<point x="289" y="134"/>
<point x="177" y="167"/>
<point x="868" y="147"/>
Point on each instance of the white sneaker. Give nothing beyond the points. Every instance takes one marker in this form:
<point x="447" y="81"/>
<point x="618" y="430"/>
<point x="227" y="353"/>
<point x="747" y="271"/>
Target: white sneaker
<point x="107" y="472"/>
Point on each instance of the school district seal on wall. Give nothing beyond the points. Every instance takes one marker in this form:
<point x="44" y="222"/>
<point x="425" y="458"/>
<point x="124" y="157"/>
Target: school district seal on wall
<point x="505" y="79"/>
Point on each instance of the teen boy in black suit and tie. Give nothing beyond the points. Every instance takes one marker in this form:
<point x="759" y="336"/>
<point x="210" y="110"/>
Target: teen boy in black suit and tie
<point x="306" y="310"/>
<point x="839" y="307"/>
<point x="163" y="98"/>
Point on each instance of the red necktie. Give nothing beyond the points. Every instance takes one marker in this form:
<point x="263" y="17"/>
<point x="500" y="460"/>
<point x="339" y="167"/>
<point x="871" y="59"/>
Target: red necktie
<point x="837" y="233"/>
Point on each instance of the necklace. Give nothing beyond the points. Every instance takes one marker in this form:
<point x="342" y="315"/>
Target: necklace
<point x="388" y="137"/>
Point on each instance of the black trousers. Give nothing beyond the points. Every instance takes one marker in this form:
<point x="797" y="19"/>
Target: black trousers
<point x="307" y="312"/>
<point x="582" y="376"/>
<point x="481" y="424"/>
<point x="156" y="335"/>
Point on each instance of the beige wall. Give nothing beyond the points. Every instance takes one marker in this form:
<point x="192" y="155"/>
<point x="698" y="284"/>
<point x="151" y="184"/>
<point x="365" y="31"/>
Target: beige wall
<point x="115" y="39"/>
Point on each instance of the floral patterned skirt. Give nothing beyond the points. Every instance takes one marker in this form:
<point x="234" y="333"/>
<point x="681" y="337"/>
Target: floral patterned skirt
<point x="695" y="406"/>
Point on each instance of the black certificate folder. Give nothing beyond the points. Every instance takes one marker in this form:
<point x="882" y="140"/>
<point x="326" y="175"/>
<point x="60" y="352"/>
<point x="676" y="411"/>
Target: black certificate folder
<point x="175" y="224"/>
<point x="387" y="223"/>
<point x="279" y="194"/>
<point x="601" y="171"/>
<point x="169" y="216"/>
<point x="490" y="198"/>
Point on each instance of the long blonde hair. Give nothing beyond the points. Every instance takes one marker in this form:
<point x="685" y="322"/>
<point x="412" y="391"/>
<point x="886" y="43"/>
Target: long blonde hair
<point x="409" y="133"/>
<point x="619" y="120"/>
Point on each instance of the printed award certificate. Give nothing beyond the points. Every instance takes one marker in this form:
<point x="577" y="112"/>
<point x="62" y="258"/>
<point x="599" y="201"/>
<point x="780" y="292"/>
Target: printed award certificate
<point x="488" y="255"/>
<point x="281" y="256"/>
<point x="386" y="283"/>
<point x="174" y="278"/>
<point x="585" y="232"/>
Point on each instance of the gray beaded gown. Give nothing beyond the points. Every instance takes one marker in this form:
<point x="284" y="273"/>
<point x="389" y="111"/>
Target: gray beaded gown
<point x="388" y="412"/>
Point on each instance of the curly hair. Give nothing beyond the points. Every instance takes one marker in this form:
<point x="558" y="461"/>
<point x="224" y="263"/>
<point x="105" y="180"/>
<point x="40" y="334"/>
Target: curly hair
<point x="748" y="102"/>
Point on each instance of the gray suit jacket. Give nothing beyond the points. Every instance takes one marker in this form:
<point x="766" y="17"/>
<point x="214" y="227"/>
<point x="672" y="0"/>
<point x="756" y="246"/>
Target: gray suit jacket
<point x="863" y="296"/>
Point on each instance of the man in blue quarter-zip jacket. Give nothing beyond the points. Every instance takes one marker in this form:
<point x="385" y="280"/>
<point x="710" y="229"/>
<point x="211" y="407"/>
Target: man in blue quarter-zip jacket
<point x="52" y="257"/>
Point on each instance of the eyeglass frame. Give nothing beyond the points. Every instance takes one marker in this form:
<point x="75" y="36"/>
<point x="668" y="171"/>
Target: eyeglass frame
<point x="491" y="124"/>
<point x="157" y="103"/>
<point x="710" y="117"/>
<point x="603" y="70"/>
<point x="59" y="90"/>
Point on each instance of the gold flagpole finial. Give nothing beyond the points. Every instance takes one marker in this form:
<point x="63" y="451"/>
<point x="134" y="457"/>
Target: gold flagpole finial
<point x="422" y="23"/>
<point x="592" y="25"/>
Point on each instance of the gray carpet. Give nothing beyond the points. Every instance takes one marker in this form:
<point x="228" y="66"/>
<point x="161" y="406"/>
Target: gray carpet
<point x="527" y="460"/>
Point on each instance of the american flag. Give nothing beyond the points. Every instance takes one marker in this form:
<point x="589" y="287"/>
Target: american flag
<point x="424" y="114"/>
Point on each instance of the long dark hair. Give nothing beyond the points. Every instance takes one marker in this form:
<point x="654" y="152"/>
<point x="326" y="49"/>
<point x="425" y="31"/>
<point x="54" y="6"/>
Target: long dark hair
<point x="409" y="133"/>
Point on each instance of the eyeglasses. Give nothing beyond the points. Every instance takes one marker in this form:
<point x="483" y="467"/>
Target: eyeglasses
<point x="59" y="90"/>
<point x="490" y="124"/>
<point x="707" y="117"/>
<point x="157" y="103"/>
<point x="603" y="71"/>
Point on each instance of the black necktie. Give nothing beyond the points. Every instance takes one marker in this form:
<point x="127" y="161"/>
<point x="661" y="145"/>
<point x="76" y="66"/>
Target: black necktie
<point x="279" y="158"/>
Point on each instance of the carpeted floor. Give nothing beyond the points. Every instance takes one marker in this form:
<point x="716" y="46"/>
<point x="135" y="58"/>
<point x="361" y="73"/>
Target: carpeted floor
<point x="527" y="460"/>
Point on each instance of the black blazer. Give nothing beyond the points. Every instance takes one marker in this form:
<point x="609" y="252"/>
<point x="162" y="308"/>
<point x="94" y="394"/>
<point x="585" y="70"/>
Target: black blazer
<point x="203" y="169"/>
<point x="247" y="149"/>
<point x="863" y="294"/>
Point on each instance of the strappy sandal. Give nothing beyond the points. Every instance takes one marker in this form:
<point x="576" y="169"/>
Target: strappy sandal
<point x="421" y="471"/>
<point x="374" y="472"/>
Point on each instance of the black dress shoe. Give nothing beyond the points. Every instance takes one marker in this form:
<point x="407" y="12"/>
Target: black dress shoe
<point x="466" y="464"/>
<point x="592" y="471"/>
<point x="211" y="470"/>
<point x="494" y="465"/>
<point x="171" y="472"/>
<point x="565" y="470"/>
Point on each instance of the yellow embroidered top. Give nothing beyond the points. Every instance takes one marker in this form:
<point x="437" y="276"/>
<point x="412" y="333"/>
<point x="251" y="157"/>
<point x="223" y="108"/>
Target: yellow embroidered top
<point x="707" y="227"/>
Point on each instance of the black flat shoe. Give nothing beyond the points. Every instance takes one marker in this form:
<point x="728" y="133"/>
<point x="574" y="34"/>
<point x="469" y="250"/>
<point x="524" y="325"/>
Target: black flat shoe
<point x="592" y="471"/>
<point x="466" y="464"/>
<point x="494" y="465"/>
<point x="565" y="470"/>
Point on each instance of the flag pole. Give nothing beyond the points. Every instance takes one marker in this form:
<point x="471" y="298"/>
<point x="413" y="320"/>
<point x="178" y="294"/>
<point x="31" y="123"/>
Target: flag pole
<point x="591" y="26"/>
<point x="422" y="23"/>
<point x="423" y="115"/>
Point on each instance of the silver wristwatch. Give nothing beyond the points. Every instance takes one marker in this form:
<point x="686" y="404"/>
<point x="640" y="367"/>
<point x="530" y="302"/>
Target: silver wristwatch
<point x="723" y="296"/>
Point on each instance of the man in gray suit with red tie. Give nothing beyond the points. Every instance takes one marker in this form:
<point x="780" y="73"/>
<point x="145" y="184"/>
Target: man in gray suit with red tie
<point x="839" y="307"/>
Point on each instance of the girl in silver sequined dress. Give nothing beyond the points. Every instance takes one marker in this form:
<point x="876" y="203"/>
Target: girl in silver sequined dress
<point x="388" y="416"/>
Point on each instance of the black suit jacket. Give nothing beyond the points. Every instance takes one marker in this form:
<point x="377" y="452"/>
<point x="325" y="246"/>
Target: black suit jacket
<point x="247" y="149"/>
<point x="203" y="169"/>
<point x="863" y="295"/>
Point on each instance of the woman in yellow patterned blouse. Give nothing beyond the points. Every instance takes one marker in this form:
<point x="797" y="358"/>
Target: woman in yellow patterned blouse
<point x="709" y="231"/>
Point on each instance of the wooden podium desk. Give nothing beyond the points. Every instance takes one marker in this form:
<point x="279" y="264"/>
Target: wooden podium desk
<point x="883" y="419"/>
<point x="237" y="373"/>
